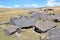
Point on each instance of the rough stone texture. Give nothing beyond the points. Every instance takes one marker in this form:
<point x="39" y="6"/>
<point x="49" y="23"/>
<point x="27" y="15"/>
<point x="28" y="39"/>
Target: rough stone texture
<point x="45" y="25"/>
<point x="55" y="38"/>
<point x="43" y="16"/>
<point x="50" y="17"/>
<point x="54" y="31"/>
<point x="39" y="16"/>
<point x="57" y="16"/>
<point x="9" y="30"/>
<point x="36" y="16"/>
<point x="23" y="22"/>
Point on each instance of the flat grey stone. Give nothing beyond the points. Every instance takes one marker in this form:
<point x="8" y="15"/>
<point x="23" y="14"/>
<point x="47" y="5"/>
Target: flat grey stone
<point x="9" y="30"/>
<point x="39" y="16"/>
<point x="54" y="31"/>
<point x="36" y="16"/>
<point x="55" y="38"/>
<point x="43" y="16"/>
<point x="50" y="17"/>
<point x="23" y="22"/>
<point x="45" y="25"/>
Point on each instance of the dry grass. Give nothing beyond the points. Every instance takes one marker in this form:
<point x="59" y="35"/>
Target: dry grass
<point x="5" y="16"/>
<point x="6" y="13"/>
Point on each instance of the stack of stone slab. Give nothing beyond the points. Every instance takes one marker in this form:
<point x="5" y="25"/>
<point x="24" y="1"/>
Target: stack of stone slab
<point x="18" y="23"/>
<point x="54" y="17"/>
<point x="22" y="21"/>
<point x="50" y="17"/>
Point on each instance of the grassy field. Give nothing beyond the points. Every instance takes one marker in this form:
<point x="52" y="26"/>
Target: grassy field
<point x="27" y="34"/>
<point x="6" y="13"/>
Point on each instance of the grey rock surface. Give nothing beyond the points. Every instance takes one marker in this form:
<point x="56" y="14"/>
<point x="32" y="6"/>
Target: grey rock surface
<point x="54" y="31"/>
<point x="9" y="30"/>
<point x="45" y="25"/>
<point x="55" y="38"/>
<point x="23" y="22"/>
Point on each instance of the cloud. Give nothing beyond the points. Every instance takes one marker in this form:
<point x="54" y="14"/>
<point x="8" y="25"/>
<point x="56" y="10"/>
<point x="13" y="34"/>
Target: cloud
<point x="16" y="6"/>
<point x="52" y="3"/>
<point x="2" y="6"/>
<point x="31" y="5"/>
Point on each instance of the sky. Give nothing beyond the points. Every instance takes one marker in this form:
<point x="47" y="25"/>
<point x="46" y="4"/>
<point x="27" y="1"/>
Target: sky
<point x="28" y="3"/>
